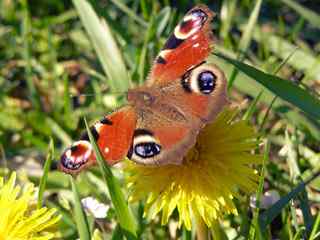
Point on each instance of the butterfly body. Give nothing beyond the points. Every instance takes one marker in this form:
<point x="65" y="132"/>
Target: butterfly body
<point x="163" y="117"/>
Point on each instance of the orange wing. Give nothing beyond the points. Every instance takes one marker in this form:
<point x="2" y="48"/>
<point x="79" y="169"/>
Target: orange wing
<point x="159" y="140"/>
<point x="113" y="135"/>
<point x="188" y="46"/>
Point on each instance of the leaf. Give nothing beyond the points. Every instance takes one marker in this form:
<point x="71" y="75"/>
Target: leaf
<point x="306" y="210"/>
<point x="58" y="131"/>
<point x="26" y="30"/>
<point x="46" y="169"/>
<point x="80" y="217"/>
<point x="227" y="12"/>
<point x="162" y="20"/>
<point x="255" y="229"/>
<point x="129" y="12"/>
<point x="246" y="38"/>
<point x="315" y="228"/>
<point x="302" y="59"/>
<point x="266" y="217"/>
<point x="248" y="30"/>
<point x="286" y="90"/>
<point x="249" y="86"/>
<point x="105" y="46"/>
<point x="117" y="233"/>
<point x="253" y="106"/>
<point x="308" y="14"/>
<point x="123" y="212"/>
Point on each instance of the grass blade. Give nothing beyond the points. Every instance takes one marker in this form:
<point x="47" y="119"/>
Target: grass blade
<point x="306" y="210"/>
<point x="143" y="55"/>
<point x="308" y="14"/>
<point x="58" y="131"/>
<point x="43" y="180"/>
<point x="246" y="38"/>
<point x="227" y="12"/>
<point x="255" y="230"/>
<point x="129" y="12"/>
<point x="26" y="55"/>
<point x="302" y="59"/>
<point x="186" y="235"/>
<point x="274" y="99"/>
<point x="266" y="218"/>
<point x="80" y="217"/>
<point x="316" y="226"/>
<point x="117" y="233"/>
<point x="123" y="212"/>
<point x="253" y="106"/>
<point x="248" y="31"/>
<point x="293" y="94"/>
<point x="105" y="46"/>
<point x="218" y="232"/>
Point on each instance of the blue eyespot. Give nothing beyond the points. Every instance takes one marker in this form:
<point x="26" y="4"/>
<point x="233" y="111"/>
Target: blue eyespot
<point x="206" y="82"/>
<point x="147" y="149"/>
<point x="199" y="14"/>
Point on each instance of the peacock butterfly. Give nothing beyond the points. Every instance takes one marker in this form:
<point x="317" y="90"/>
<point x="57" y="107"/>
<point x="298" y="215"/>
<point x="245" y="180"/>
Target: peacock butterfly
<point x="163" y="117"/>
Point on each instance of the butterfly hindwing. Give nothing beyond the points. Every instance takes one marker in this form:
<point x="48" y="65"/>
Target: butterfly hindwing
<point x="159" y="140"/>
<point x="113" y="135"/>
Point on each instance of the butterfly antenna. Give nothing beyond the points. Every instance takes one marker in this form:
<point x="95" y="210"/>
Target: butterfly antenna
<point x="94" y="94"/>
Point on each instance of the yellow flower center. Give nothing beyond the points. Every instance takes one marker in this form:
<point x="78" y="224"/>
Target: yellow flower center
<point x="207" y="180"/>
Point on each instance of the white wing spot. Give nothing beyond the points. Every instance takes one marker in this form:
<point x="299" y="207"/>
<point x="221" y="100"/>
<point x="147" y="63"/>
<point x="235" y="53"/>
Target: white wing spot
<point x="106" y="150"/>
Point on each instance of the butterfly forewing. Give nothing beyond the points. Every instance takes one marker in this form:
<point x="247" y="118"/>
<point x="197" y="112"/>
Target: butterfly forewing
<point x="189" y="44"/>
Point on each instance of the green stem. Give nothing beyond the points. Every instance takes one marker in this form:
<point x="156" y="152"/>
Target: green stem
<point x="202" y="229"/>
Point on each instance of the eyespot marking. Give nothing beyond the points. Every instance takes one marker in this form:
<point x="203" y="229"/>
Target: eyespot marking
<point x="173" y="42"/>
<point x="94" y="133"/>
<point x="141" y="131"/>
<point x="191" y="24"/>
<point x="76" y="156"/>
<point x="185" y="79"/>
<point x="106" y="150"/>
<point x="73" y="148"/>
<point x="147" y="149"/>
<point x="144" y="146"/>
<point x="130" y="152"/>
<point x="106" y="120"/>
<point x="185" y="82"/>
<point x="160" y="60"/>
<point x="198" y="13"/>
<point x="206" y="82"/>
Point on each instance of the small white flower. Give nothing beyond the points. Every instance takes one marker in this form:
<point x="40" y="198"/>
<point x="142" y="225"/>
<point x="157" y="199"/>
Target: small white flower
<point x="94" y="207"/>
<point x="267" y="200"/>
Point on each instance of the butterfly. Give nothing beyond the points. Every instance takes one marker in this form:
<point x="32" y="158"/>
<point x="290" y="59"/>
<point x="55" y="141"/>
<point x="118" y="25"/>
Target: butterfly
<point x="163" y="117"/>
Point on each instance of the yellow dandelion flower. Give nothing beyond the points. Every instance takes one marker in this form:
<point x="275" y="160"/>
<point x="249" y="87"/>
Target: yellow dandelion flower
<point x="212" y="173"/>
<point x="18" y="219"/>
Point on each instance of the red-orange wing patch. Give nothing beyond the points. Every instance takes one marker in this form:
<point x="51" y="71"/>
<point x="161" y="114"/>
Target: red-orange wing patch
<point x="189" y="45"/>
<point x="113" y="135"/>
<point x="160" y="142"/>
<point x="115" y="139"/>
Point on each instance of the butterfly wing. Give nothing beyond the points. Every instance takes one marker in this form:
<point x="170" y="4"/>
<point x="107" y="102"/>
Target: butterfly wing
<point x="181" y="94"/>
<point x="159" y="140"/>
<point x="201" y="93"/>
<point x="113" y="135"/>
<point x="188" y="46"/>
<point x="164" y="117"/>
<point x="171" y="116"/>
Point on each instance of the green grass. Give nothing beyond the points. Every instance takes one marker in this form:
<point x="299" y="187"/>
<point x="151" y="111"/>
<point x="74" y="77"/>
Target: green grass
<point x="54" y="52"/>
